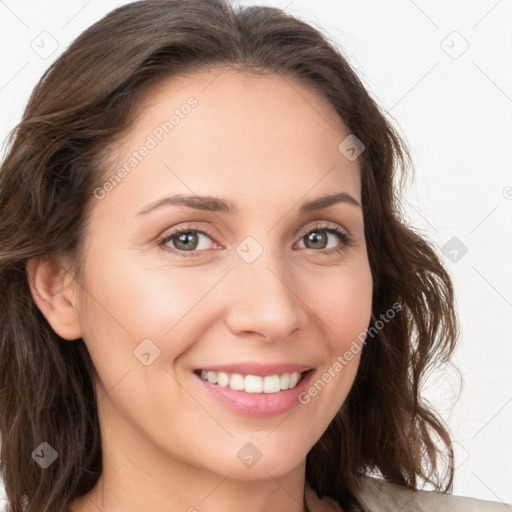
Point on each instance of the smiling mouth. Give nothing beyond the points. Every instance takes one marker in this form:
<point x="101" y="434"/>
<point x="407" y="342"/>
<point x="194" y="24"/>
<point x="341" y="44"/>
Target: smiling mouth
<point x="252" y="383"/>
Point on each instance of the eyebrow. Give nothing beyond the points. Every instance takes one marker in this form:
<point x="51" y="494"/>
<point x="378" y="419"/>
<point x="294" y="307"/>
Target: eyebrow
<point x="214" y="204"/>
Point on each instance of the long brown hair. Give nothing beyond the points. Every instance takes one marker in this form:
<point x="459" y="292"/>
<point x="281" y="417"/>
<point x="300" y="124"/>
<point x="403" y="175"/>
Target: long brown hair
<point x="56" y="157"/>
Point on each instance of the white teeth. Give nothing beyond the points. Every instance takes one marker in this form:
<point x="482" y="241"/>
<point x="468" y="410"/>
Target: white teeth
<point x="252" y="383"/>
<point x="223" y="379"/>
<point x="272" y="384"/>
<point x="236" y="382"/>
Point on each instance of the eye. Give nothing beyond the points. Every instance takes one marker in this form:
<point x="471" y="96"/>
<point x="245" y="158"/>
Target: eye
<point x="192" y="240"/>
<point x="183" y="240"/>
<point x="317" y="238"/>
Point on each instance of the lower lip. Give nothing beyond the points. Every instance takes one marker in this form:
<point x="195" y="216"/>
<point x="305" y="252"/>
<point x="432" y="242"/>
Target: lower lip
<point x="259" y="405"/>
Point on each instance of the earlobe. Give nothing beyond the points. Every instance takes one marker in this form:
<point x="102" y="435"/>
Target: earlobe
<point x="53" y="289"/>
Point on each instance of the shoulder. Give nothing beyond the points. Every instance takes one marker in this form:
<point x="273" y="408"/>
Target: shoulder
<point x="381" y="496"/>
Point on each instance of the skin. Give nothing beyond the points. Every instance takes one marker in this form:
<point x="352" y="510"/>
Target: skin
<point x="268" y="144"/>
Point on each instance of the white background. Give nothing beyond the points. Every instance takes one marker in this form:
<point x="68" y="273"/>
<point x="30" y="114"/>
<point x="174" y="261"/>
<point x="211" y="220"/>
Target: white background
<point x="454" y="109"/>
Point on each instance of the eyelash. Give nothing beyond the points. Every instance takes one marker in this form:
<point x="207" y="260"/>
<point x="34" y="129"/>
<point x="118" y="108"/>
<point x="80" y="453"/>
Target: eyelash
<point x="346" y="239"/>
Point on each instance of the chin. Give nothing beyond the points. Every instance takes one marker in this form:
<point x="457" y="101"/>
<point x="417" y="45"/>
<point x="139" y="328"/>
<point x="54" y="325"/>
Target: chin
<point x="259" y="458"/>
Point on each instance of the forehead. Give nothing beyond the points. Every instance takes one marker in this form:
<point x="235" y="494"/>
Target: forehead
<point x="253" y="132"/>
<point x="268" y="103"/>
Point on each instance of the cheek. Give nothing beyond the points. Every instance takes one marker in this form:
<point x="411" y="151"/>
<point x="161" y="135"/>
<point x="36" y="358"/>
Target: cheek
<point x="345" y="310"/>
<point x="346" y="306"/>
<point x="139" y="302"/>
<point x="126" y="308"/>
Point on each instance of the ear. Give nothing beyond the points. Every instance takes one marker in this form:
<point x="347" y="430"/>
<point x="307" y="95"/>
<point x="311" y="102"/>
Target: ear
<point x="53" y="288"/>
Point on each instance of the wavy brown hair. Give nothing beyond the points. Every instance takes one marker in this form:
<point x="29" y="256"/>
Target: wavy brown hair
<point x="56" y="156"/>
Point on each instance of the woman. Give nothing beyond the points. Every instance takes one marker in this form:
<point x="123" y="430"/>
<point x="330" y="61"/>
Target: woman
<point x="172" y="338"/>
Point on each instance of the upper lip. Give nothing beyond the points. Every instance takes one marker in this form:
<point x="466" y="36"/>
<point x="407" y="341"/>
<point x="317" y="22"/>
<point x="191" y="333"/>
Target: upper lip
<point x="260" y="369"/>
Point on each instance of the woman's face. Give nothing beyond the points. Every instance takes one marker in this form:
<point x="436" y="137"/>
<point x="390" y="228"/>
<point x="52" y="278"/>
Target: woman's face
<point x="268" y="291"/>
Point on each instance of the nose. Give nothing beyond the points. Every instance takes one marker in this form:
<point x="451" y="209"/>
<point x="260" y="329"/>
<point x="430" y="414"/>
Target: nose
<point x="262" y="299"/>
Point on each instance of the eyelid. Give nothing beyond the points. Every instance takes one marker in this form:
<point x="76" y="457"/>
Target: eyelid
<point x="318" y="225"/>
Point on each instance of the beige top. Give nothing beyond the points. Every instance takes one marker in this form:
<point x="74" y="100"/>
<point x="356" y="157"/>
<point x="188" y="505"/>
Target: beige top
<point x="381" y="496"/>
